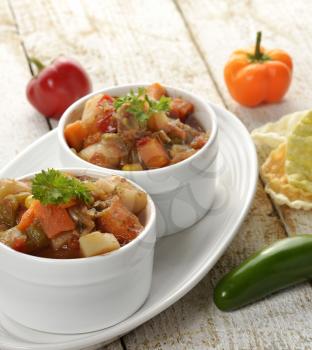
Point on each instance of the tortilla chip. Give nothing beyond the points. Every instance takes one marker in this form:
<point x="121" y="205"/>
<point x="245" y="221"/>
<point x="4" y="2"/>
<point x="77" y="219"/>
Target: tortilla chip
<point x="277" y="184"/>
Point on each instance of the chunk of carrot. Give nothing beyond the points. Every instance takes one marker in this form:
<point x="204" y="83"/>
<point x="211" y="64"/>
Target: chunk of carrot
<point x="27" y="218"/>
<point x="152" y="153"/>
<point x="180" y="108"/>
<point x="75" y="133"/>
<point x="158" y="121"/>
<point x="120" y="221"/>
<point x="53" y="219"/>
<point x="155" y="91"/>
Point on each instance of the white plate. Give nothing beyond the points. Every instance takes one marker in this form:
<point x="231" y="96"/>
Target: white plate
<point x="181" y="260"/>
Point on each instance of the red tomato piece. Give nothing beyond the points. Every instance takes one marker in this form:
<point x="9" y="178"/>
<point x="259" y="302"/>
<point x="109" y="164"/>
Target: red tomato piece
<point x="106" y="98"/>
<point x="105" y="123"/>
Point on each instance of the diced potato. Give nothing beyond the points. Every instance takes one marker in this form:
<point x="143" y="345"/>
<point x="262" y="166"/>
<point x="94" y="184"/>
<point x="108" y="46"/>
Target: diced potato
<point x="119" y="181"/>
<point x="88" y="152"/>
<point x="97" y="243"/>
<point x="120" y="221"/>
<point x="155" y="91"/>
<point x="105" y="154"/>
<point x="12" y="187"/>
<point x="134" y="199"/>
<point x="101" y="187"/>
<point x="152" y="153"/>
<point x="91" y="110"/>
<point x="105" y="184"/>
<point x="158" y="121"/>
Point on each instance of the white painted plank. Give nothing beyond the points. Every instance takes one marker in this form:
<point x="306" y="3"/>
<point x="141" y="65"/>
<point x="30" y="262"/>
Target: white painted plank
<point x="223" y="26"/>
<point x="285" y="24"/>
<point x="280" y="322"/>
<point x="117" y="42"/>
<point x="19" y="123"/>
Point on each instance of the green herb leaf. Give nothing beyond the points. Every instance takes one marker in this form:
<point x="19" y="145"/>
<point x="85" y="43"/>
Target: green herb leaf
<point x="53" y="187"/>
<point x="163" y="105"/>
<point x="136" y="103"/>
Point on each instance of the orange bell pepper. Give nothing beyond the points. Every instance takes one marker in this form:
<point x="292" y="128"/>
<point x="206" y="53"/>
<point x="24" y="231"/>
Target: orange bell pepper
<point x="258" y="75"/>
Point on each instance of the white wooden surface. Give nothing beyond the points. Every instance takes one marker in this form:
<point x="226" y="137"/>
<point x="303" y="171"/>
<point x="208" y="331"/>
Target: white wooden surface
<point x="183" y="43"/>
<point x="19" y="124"/>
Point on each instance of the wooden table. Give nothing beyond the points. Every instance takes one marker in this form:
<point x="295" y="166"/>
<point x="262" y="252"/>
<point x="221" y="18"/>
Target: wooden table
<point x="183" y="43"/>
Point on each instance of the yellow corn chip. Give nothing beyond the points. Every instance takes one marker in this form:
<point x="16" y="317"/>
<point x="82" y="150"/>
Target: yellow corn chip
<point x="285" y="149"/>
<point x="277" y="184"/>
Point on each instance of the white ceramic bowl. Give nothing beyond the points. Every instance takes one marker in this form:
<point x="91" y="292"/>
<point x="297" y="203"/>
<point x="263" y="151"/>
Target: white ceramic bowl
<point x="78" y="295"/>
<point x="183" y="192"/>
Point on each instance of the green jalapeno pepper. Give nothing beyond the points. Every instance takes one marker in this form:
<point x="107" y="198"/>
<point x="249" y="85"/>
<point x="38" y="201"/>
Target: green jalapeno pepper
<point x="284" y="263"/>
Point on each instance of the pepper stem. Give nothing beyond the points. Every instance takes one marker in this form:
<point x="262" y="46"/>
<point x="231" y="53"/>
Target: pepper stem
<point x="258" y="53"/>
<point x="39" y="65"/>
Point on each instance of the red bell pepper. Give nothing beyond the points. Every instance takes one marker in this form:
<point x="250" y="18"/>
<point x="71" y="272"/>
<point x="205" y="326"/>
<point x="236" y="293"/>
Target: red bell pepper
<point x="105" y="122"/>
<point x="57" y="86"/>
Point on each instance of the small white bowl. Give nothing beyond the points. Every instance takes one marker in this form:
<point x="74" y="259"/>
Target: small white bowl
<point x="183" y="192"/>
<point x="78" y="295"/>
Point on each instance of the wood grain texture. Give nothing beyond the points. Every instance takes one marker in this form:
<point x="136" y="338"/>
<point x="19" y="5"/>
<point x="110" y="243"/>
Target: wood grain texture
<point x="279" y="322"/>
<point x="218" y="29"/>
<point x="223" y="26"/>
<point x="116" y="345"/>
<point x="120" y="42"/>
<point x="19" y="123"/>
<point x="234" y="25"/>
<point x="117" y="42"/>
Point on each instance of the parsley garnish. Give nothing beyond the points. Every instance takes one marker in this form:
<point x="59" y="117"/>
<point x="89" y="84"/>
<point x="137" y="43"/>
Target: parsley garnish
<point x="136" y="103"/>
<point x="53" y="187"/>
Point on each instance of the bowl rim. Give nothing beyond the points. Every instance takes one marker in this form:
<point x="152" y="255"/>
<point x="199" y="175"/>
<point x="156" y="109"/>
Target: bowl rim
<point x="172" y="167"/>
<point x="151" y="220"/>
